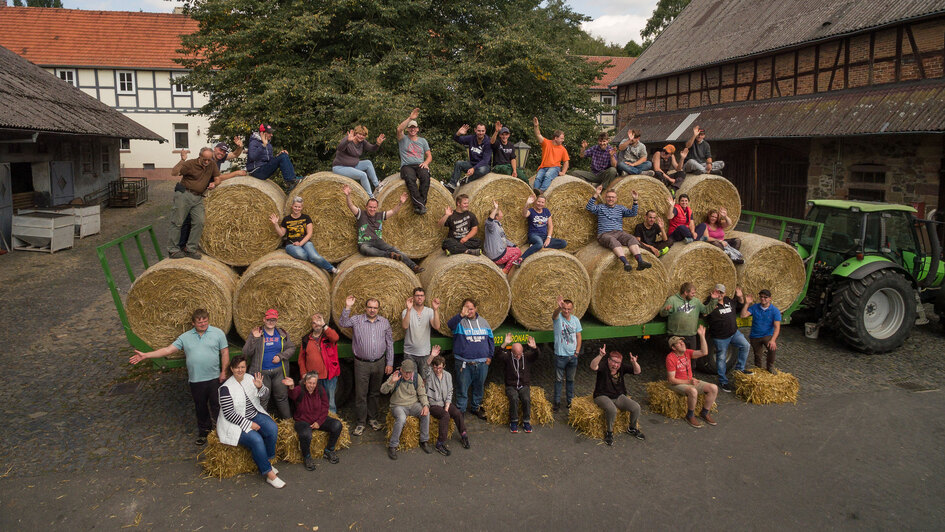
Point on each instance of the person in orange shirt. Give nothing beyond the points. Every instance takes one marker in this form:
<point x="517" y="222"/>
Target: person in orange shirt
<point x="554" y="158"/>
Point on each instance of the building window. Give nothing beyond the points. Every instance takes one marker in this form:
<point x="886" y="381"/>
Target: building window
<point x="124" y="145"/>
<point x="126" y="82"/>
<point x="181" y="137"/>
<point x="867" y="182"/>
<point x="85" y="155"/>
<point x="67" y="75"/>
<point x="106" y="160"/>
<point x="147" y="166"/>
<point x="608" y="99"/>
<point x="178" y="89"/>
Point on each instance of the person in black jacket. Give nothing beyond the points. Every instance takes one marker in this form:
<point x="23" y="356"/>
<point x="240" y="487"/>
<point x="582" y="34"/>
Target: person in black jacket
<point x="610" y="392"/>
<point x="518" y="361"/>
<point x="723" y="326"/>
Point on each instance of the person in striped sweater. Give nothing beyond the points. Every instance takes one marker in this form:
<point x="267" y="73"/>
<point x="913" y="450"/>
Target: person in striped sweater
<point x="610" y="233"/>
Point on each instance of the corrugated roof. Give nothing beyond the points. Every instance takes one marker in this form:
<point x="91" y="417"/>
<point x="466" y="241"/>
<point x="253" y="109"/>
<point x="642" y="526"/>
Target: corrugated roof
<point x="72" y="37"/>
<point x="902" y="108"/>
<point x="36" y="100"/>
<point x="714" y="31"/>
<point x="616" y="67"/>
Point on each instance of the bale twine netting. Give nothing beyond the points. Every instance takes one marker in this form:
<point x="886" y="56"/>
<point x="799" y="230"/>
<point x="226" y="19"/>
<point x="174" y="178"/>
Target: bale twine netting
<point x="619" y="297"/>
<point x="539" y="281"/>
<point x="333" y="228"/>
<point x="162" y="300"/>
<point x="771" y="264"/>
<point x="510" y="192"/>
<point x="653" y="195"/>
<point x="417" y="235"/>
<point x="237" y="229"/>
<point x="588" y="418"/>
<point x="496" y="404"/>
<point x="455" y="278"/>
<point x="389" y="281"/>
<point x="707" y="192"/>
<point x="701" y="264"/>
<point x="566" y="198"/>
<point x="664" y="401"/>
<point x="287" y="444"/>
<point x="296" y="288"/>
<point x="410" y="434"/>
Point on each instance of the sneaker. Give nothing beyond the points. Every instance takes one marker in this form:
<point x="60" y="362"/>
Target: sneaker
<point x="375" y="425"/>
<point x="451" y="187"/>
<point x="359" y="430"/>
<point x="738" y="261"/>
<point x="627" y="268"/>
<point x="475" y="252"/>
<point x="448" y="253"/>
<point x="426" y="447"/>
<point x="330" y="456"/>
<point x="276" y="482"/>
<point x="642" y="265"/>
<point x="200" y="441"/>
<point x="556" y="407"/>
<point x="513" y="427"/>
<point x="650" y="173"/>
<point x="310" y="463"/>
<point x="609" y="438"/>
<point x="335" y="271"/>
<point x="417" y="269"/>
<point x="727" y="387"/>
<point x="421" y="211"/>
<point x="694" y="422"/>
<point x="443" y="449"/>
<point x="517" y="262"/>
<point x="274" y="470"/>
<point x="481" y="413"/>
<point x="527" y="426"/>
<point x="394" y="255"/>
<point x="179" y="254"/>
<point x="664" y="251"/>
<point x="192" y="254"/>
<point x="464" y="439"/>
<point x="746" y="372"/>
<point x="688" y="240"/>
<point x="636" y="433"/>
<point x="392" y="453"/>
<point x="707" y="417"/>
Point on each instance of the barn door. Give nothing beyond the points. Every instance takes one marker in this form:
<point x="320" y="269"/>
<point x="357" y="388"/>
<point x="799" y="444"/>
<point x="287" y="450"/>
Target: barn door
<point x="62" y="182"/>
<point x="6" y="204"/>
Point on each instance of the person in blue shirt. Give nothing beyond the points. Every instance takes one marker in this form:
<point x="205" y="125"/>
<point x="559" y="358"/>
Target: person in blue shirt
<point x="480" y="156"/>
<point x="261" y="161"/>
<point x="540" y="227"/>
<point x="567" y="329"/>
<point x="765" y="328"/>
<point x="473" y="347"/>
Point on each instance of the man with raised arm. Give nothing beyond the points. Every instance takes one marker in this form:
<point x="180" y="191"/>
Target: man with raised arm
<point x="503" y="152"/>
<point x="373" y="345"/>
<point x="699" y="159"/>
<point x="652" y="234"/>
<point x="415" y="158"/>
<point x="462" y="227"/>
<point x="473" y="345"/>
<point x="634" y="155"/>
<point x="418" y="321"/>
<point x="610" y="233"/>
<point x="369" y="223"/>
<point x="681" y="381"/>
<point x="765" y="329"/>
<point x="567" y="328"/>
<point x="554" y="157"/>
<point x="603" y="162"/>
<point x="480" y="156"/>
<point x="517" y="361"/>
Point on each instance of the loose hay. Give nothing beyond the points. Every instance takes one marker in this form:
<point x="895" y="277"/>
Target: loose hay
<point x="707" y="192"/>
<point x="653" y="196"/>
<point x="454" y="278"/>
<point x="296" y="288"/>
<point x="664" y="401"/>
<point x="237" y="229"/>
<point x="225" y="461"/>
<point x="287" y="446"/>
<point x="496" y="404"/>
<point x="588" y="418"/>
<point x="332" y="222"/>
<point x="537" y="283"/>
<point x="510" y="192"/>
<point x="410" y="435"/>
<point x="389" y="281"/>
<point x="415" y="235"/>
<point x="623" y="298"/>
<point x="163" y="298"/>
<point x="770" y="264"/>
<point x="702" y="264"/>
<point x="763" y="388"/>
<point x="566" y="198"/>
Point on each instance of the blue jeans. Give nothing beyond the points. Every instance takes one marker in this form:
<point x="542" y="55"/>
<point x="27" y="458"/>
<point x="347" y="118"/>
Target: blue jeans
<point x="363" y="172"/>
<point x="721" y="346"/>
<point x="282" y="162"/>
<point x="625" y="168"/>
<point x="460" y="169"/>
<point x="331" y="386"/>
<point x="261" y="443"/>
<point x="537" y="242"/>
<point x="545" y="176"/>
<point x="565" y="367"/>
<point x="467" y="374"/>
<point x="307" y="252"/>
<point x="681" y="232"/>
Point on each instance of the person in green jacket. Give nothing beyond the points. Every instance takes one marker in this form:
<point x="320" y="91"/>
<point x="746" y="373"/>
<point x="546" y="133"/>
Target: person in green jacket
<point x="408" y="398"/>
<point x="684" y="310"/>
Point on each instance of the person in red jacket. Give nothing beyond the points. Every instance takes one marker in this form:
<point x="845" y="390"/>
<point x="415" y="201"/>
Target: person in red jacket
<point x="319" y="353"/>
<point x="311" y="413"/>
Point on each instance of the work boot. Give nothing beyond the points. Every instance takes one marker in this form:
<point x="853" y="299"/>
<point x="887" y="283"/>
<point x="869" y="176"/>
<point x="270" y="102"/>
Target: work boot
<point x="310" y="463"/>
<point x="642" y="265"/>
<point x="708" y="418"/>
<point x="192" y="254"/>
<point x="443" y="449"/>
<point x="464" y="439"/>
<point x="475" y="252"/>
<point x="609" y="438"/>
<point x="179" y="254"/>
<point x="392" y="453"/>
<point x="425" y="447"/>
<point x="330" y="456"/>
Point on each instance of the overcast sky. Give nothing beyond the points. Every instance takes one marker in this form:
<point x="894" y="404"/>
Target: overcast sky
<point x="616" y="21"/>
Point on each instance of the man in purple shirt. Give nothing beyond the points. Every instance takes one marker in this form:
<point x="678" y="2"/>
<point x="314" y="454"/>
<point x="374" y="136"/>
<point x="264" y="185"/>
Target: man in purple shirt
<point x="480" y="156"/>
<point x="603" y="162"/>
<point x="372" y="342"/>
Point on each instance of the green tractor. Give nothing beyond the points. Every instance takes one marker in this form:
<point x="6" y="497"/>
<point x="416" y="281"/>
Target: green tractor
<point x="875" y="264"/>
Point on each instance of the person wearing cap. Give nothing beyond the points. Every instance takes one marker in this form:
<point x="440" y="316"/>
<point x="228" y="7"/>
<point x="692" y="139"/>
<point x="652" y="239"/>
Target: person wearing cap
<point x="610" y="392"/>
<point x="480" y="156"/>
<point x="224" y="155"/>
<point x="261" y="161"/>
<point x="603" y="161"/>
<point x="295" y="229"/>
<point x="473" y="348"/>
<point x="415" y="158"/>
<point x="610" y="233"/>
<point x="684" y="311"/>
<point x="723" y="326"/>
<point x="319" y="353"/>
<point x="634" y="161"/>
<point x="651" y="233"/>
<point x="554" y="157"/>
<point x="517" y="361"/>
<point x="503" y="152"/>
<point x="311" y="413"/>
<point x="369" y="222"/>
<point x="667" y="168"/>
<point x="567" y="334"/>
<point x="496" y="245"/>
<point x="765" y="329"/>
<point x="372" y="343"/>
<point x="699" y="159"/>
<point x="197" y="177"/>
<point x="418" y="321"/>
<point x="268" y="350"/>
<point x="408" y="398"/>
<point x="681" y="381"/>
<point x="348" y="161"/>
<point x="440" y="395"/>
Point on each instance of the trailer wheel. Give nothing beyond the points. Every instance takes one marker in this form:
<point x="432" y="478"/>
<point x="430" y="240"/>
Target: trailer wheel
<point x="707" y="364"/>
<point x="874" y="314"/>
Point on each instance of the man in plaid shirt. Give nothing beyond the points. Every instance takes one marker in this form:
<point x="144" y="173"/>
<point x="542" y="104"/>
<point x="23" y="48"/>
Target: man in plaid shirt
<point x="603" y="162"/>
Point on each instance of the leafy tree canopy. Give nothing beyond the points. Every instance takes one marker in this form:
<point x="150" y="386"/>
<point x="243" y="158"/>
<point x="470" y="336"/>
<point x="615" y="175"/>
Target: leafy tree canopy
<point x="38" y="3"/>
<point x="666" y="11"/>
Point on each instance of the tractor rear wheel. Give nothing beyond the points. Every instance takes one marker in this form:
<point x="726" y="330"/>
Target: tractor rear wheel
<point x="874" y="314"/>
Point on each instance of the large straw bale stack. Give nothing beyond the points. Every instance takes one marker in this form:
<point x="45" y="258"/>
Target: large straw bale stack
<point x="653" y="195"/>
<point x="237" y="229"/>
<point x="707" y="192"/>
<point x="287" y="444"/>
<point x="664" y="401"/>
<point x="510" y="192"/>
<point x="296" y="288"/>
<point x="333" y="230"/>
<point x="701" y="264"/>
<point x="389" y="281"/>
<point x="410" y="435"/>
<point x="163" y="298"/>
<point x="225" y="461"/>
<point x="415" y="235"/>
<point x="452" y="279"/>
<point x="619" y="297"/>
<point x="771" y="264"/>
<point x="496" y="404"/>
<point x="588" y="418"/>
<point x="543" y="277"/>
<point x="566" y="198"/>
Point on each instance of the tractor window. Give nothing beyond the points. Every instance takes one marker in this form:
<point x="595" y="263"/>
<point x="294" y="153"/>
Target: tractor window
<point x="872" y="242"/>
<point x="842" y="229"/>
<point x="899" y="234"/>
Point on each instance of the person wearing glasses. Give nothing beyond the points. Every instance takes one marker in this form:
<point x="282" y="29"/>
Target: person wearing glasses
<point x="267" y="351"/>
<point x="372" y="342"/>
<point x="197" y="176"/>
<point x="765" y="328"/>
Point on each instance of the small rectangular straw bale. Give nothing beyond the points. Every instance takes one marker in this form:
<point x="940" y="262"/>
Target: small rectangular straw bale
<point x="496" y="404"/>
<point x="762" y="388"/>
<point x="410" y="435"/>
<point x="588" y="418"/>
<point x="225" y="461"/>
<point x="663" y="400"/>
<point x="287" y="446"/>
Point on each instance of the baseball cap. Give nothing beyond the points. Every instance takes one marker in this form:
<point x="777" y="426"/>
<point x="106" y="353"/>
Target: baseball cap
<point x="674" y="340"/>
<point x="408" y="366"/>
<point x="669" y="148"/>
<point x="720" y="287"/>
<point x="265" y="128"/>
<point x="764" y="292"/>
<point x="412" y="123"/>
<point x="504" y="130"/>
<point x="272" y="314"/>
<point x="222" y="146"/>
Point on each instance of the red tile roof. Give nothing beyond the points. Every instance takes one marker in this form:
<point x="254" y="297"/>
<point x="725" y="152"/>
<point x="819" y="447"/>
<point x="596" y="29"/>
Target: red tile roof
<point x="72" y="37"/>
<point x="617" y="66"/>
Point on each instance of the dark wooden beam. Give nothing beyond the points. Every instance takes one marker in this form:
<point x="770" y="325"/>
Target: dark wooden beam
<point x="816" y="67"/>
<point x="898" y="53"/>
<point x="836" y="63"/>
<point x="869" y="80"/>
<point x="915" y="52"/>
<point x="846" y="64"/>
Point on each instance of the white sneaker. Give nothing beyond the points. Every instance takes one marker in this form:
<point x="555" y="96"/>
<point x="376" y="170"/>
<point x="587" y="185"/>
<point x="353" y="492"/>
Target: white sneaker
<point x="274" y="470"/>
<point x="276" y="482"/>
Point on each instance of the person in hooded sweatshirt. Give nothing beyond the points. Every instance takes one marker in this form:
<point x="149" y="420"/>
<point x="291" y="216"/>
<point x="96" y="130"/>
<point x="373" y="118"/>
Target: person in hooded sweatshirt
<point x="472" y="353"/>
<point x="261" y="162"/>
<point x="517" y="360"/>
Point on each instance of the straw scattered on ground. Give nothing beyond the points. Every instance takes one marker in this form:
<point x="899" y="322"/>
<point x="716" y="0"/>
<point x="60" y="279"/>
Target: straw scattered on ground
<point x="619" y="297"/>
<point x="701" y="264"/>
<point x="770" y="264"/>
<point x="454" y="278"/>
<point x="333" y="229"/>
<point x="389" y="281"/>
<point x="237" y="229"/>
<point x="763" y="388"/>
<point x="664" y="401"/>
<point x="496" y="404"/>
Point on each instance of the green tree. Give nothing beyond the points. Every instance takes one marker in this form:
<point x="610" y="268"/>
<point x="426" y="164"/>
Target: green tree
<point x="666" y="11"/>
<point x="17" y="3"/>
<point x="315" y="69"/>
<point x="633" y="49"/>
<point x="39" y="3"/>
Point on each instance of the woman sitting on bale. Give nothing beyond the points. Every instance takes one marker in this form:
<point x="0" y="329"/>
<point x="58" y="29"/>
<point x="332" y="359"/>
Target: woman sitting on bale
<point x="243" y="420"/>
<point x="296" y="232"/>
<point x="712" y="230"/>
<point x="681" y="225"/>
<point x="311" y="413"/>
<point x="348" y="154"/>
<point x="610" y="392"/>
<point x="440" y="394"/>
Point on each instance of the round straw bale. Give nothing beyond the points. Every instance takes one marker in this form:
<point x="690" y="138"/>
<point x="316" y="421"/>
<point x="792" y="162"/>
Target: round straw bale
<point x="416" y="235"/>
<point x="296" y="288"/>
<point x="237" y="229"/>
<point x="389" y="281"/>
<point x="452" y="279"/>
<point x="540" y="280"/>
<point x="510" y="192"/>
<point x="163" y="298"/>
<point x="707" y="192"/>
<point x="771" y="264"/>
<point x="701" y="264"/>
<point x="653" y="196"/>
<point x="333" y="229"/>
<point x="619" y="297"/>
<point x="566" y="198"/>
